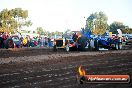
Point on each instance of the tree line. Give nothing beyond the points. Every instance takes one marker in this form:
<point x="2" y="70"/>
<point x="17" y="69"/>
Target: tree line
<point x="14" y="20"/>
<point x="41" y="31"/>
<point x="97" y="24"/>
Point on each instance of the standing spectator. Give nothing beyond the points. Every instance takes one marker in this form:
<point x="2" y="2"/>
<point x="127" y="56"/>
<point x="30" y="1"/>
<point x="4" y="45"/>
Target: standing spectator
<point x="49" y="43"/>
<point x="74" y="37"/>
<point x="46" y="41"/>
<point x="24" y="42"/>
<point x="28" y="41"/>
<point x="43" y="41"/>
<point x="39" y="43"/>
<point x="0" y="34"/>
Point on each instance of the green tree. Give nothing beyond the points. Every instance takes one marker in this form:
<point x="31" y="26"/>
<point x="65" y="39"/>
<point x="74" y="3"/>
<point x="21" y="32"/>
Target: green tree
<point x="90" y="22"/>
<point x="116" y="25"/>
<point x="56" y="33"/>
<point x="14" y="19"/>
<point x="68" y="31"/>
<point x="48" y="34"/>
<point x="52" y="34"/>
<point x="100" y="24"/>
<point x="7" y="21"/>
<point x="40" y="31"/>
<point x="34" y="32"/>
<point x="127" y="30"/>
<point x="97" y="23"/>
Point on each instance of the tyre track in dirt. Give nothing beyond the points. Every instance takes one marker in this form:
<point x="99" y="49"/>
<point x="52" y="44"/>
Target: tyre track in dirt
<point x="47" y="69"/>
<point x="63" y="76"/>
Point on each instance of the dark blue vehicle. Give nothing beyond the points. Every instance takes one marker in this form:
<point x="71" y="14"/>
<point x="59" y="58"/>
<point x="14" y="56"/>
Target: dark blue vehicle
<point x="108" y="43"/>
<point x="104" y="42"/>
<point x="17" y="41"/>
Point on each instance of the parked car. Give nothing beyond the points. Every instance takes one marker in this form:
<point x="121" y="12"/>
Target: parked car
<point x="129" y="40"/>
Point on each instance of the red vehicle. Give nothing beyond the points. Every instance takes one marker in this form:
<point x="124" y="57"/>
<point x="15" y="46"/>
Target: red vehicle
<point x="6" y="41"/>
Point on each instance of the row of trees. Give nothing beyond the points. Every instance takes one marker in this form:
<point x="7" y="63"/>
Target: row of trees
<point x="42" y="31"/>
<point x="119" y="25"/>
<point x="97" y="23"/>
<point x="13" y="20"/>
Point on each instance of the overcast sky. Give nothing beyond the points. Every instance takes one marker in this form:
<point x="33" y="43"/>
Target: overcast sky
<point x="60" y="15"/>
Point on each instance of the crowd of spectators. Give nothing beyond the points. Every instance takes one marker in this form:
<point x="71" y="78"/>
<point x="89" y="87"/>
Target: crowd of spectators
<point x="36" y="41"/>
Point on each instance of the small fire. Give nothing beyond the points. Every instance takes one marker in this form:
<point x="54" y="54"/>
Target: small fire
<point x="81" y="71"/>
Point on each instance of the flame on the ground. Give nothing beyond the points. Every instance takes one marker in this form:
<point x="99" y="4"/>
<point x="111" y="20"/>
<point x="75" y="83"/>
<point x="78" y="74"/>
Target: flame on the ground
<point x="81" y="71"/>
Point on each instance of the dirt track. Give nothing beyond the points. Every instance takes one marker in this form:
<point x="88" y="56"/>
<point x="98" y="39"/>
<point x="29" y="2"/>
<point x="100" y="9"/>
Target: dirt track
<point x="42" y="68"/>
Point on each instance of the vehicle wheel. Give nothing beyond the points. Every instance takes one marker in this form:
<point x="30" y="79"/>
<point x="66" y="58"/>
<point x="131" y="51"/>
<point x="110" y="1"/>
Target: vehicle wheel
<point x="82" y="47"/>
<point x="54" y="48"/>
<point x="9" y="43"/>
<point x="96" y="44"/>
<point x="116" y="46"/>
<point x="67" y="48"/>
<point x="82" y="41"/>
<point x="1" y="43"/>
<point x="120" y="46"/>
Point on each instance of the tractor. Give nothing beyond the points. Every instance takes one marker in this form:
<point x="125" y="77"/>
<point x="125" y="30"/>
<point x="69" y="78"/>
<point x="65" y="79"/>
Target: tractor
<point x="105" y="42"/>
<point x="83" y="41"/>
<point x="80" y="41"/>
<point x="108" y="43"/>
<point x="63" y="43"/>
<point x="87" y="41"/>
